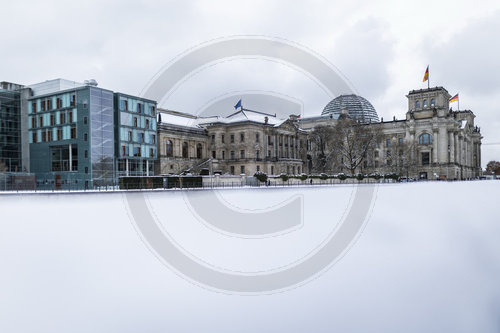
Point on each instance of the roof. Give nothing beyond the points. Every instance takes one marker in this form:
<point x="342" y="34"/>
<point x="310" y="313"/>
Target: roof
<point x="244" y="115"/>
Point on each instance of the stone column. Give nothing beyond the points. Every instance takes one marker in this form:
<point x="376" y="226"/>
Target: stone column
<point x="452" y="147"/>
<point x="434" y="147"/>
<point x="443" y="145"/>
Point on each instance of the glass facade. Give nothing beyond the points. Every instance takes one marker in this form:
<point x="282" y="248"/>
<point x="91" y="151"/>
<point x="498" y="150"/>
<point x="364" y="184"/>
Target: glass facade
<point x="102" y="137"/>
<point x="10" y="131"/>
<point x="136" y="138"/>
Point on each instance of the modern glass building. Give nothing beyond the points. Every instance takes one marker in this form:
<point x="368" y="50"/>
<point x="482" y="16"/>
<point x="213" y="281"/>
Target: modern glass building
<point x="10" y="130"/>
<point x="72" y="138"/>
<point x="135" y="137"/>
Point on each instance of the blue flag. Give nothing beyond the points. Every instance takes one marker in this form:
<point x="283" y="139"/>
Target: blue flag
<point x="238" y="105"/>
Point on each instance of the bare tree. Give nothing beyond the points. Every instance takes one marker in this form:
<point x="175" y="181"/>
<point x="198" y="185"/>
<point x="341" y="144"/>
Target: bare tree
<point x="494" y="167"/>
<point x="352" y="140"/>
<point x="400" y="158"/>
<point x="322" y="148"/>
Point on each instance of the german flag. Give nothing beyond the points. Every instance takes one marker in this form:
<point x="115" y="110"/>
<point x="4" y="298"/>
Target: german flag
<point x="426" y="75"/>
<point x="454" y="99"/>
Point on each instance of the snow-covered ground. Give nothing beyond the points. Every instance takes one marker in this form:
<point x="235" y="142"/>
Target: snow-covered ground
<point x="427" y="260"/>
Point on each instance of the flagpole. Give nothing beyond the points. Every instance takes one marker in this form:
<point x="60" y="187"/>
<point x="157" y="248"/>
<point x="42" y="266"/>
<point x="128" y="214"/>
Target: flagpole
<point x="428" y="78"/>
<point x="458" y="101"/>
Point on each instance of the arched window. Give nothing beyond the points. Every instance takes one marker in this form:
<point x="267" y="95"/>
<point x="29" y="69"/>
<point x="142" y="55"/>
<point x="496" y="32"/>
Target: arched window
<point x="433" y="102"/>
<point x="198" y="151"/>
<point x="425" y="103"/>
<point x="425" y="139"/>
<point x="417" y="105"/>
<point x="170" y="149"/>
<point x="185" y="150"/>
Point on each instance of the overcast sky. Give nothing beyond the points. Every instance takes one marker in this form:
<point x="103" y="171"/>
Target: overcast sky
<point x="383" y="48"/>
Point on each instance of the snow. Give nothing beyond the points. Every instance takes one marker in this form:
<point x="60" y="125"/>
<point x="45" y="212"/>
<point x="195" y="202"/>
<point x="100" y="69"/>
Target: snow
<point x="428" y="259"/>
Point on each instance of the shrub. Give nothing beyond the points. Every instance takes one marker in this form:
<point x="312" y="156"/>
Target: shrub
<point x="375" y="176"/>
<point x="303" y="177"/>
<point x="323" y="176"/>
<point x="262" y="177"/>
<point x="284" y="177"/>
<point x="360" y="176"/>
<point x="341" y="176"/>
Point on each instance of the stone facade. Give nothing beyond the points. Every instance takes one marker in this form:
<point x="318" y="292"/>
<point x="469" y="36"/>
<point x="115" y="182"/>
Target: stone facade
<point x="432" y="142"/>
<point x="243" y="143"/>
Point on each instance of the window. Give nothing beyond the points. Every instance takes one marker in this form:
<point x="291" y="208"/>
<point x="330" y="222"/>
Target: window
<point x="376" y="154"/>
<point x="425" y="158"/>
<point x="85" y="137"/>
<point x="214" y="154"/>
<point x="73" y="100"/>
<point x="388" y="142"/>
<point x="269" y="141"/>
<point x="151" y="152"/>
<point x="59" y="134"/>
<point x="242" y="169"/>
<point x="86" y="170"/>
<point x="85" y="120"/>
<point x="242" y="137"/>
<point x="49" y="104"/>
<point x="62" y="159"/>
<point x="33" y="122"/>
<point x="433" y="102"/>
<point x="425" y="139"/>
<point x="232" y="155"/>
<point x="58" y="103"/>
<point x="257" y="137"/>
<point x="184" y="150"/>
<point x="41" y="121"/>
<point x="44" y="136"/>
<point x="135" y="121"/>
<point x="242" y="154"/>
<point x="33" y="107"/>
<point x="417" y="104"/>
<point x="400" y="141"/>
<point x="87" y="154"/>
<point x="257" y="154"/>
<point x="153" y="139"/>
<point x="142" y="137"/>
<point x="199" y="150"/>
<point x="425" y="103"/>
<point x="129" y="135"/>
<point x="62" y="118"/>
<point x="137" y="151"/>
<point x="73" y="132"/>
<point x="42" y="104"/>
<point x="258" y="168"/>
<point x="170" y="149"/>
<point x="213" y="139"/>
<point x="70" y="117"/>
<point x="232" y="138"/>
<point x="272" y="169"/>
<point x="34" y="137"/>
<point x="222" y="138"/>
<point x="223" y="154"/>
<point x="147" y="123"/>
<point x="49" y="135"/>
<point x="139" y="108"/>
<point x="268" y="153"/>
<point x="232" y="169"/>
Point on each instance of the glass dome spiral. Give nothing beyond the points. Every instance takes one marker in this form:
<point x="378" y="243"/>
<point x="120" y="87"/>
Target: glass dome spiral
<point x="357" y="107"/>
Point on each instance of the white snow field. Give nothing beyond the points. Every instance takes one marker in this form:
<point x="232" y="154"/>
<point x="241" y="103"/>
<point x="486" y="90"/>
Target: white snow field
<point x="427" y="260"/>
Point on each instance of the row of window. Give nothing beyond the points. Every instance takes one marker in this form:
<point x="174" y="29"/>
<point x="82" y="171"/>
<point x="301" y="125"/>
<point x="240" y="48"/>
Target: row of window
<point x="53" y="103"/>
<point x="425" y="103"/>
<point x="53" y="119"/>
<point x="137" y="152"/>
<point x="257" y="139"/>
<point x="127" y="119"/>
<point x="55" y="134"/>
<point x="132" y="105"/>
<point x="136" y="136"/>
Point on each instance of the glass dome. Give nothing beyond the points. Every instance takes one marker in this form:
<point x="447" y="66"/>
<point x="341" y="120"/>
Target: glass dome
<point x="356" y="106"/>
